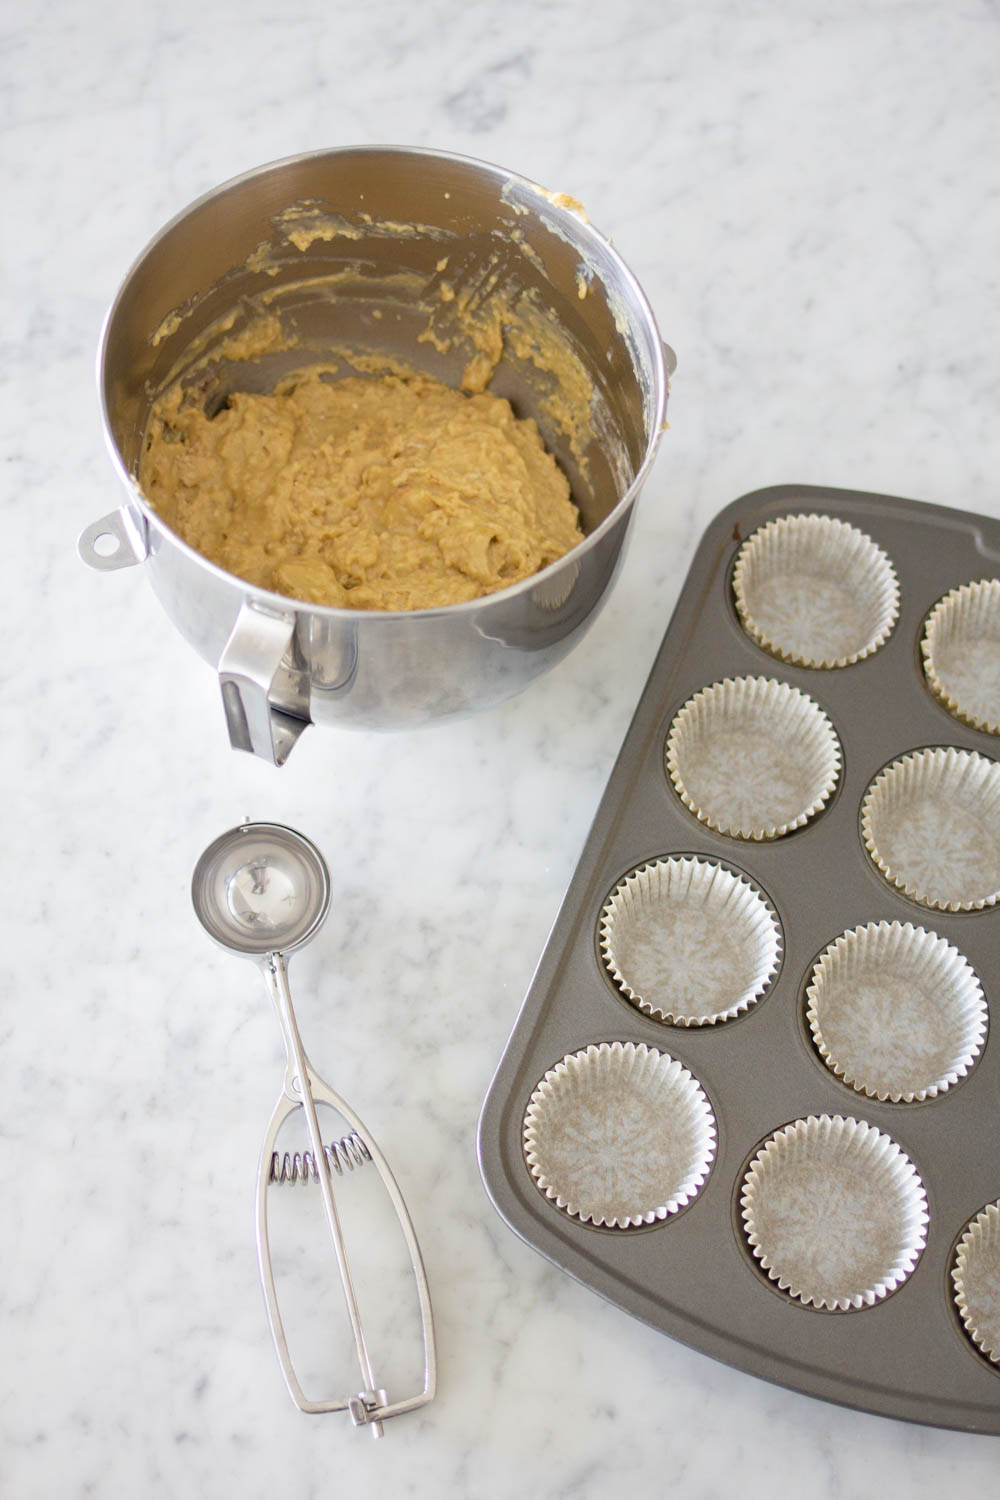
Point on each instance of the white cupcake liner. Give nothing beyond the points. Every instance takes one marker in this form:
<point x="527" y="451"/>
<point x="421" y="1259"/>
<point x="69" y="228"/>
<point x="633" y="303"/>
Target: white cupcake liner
<point x="619" y="1134"/>
<point x="976" y="1278"/>
<point x="815" y="591"/>
<point x="896" y="1012"/>
<point x="931" y="823"/>
<point x="753" y="757"/>
<point x="835" y="1212"/>
<point x="961" y="651"/>
<point x="689" y="941"/>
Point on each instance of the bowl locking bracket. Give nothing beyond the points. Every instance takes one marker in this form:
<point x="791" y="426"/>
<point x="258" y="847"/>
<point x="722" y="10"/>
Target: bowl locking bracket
<point x="265" y="688"/>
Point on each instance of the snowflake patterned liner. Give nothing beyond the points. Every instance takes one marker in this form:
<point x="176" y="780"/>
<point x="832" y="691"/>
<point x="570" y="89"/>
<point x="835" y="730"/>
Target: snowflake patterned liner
<point x="961" y="651"/>
<point x="752" y="757"/>
<point x="976" y="1279"/>
<point x="896" y="1012"/>
<point x="689" y="941"/>
<point x="931" y="824"/>
<point x="619" y="1135"/>
<point x="815" y="591"/>
<point x="835" y="1212"/>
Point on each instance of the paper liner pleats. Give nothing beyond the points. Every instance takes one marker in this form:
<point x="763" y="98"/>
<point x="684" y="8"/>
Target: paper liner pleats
<point x="961" y="653"/>
<point x="976" y="1280"/>
<point x="753" y="757"/>
<point x="619" y="1134"/>
<point x="896" y="1012"/>
<point x="931" y="824"/>
<point x="834" y="1211"/>
<point x="689" y="941"/>
<point x="815" y="591"/>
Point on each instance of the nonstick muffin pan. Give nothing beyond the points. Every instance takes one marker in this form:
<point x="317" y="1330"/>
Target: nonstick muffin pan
<point x="753" y="1093"/>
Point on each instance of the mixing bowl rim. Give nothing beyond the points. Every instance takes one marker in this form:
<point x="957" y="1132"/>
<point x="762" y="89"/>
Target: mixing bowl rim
<point x="283" y="602"/>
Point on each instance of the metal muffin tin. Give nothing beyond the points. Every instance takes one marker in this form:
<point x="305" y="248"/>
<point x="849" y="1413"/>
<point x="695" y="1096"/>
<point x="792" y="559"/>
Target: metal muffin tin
<point x="693" y="1276"/>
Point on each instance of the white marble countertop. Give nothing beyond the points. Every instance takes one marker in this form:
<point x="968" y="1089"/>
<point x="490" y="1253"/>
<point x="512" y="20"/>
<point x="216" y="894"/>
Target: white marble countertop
<point x="809" y="196"/>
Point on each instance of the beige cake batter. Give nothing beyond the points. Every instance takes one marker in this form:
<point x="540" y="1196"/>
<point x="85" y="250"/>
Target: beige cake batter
<point x="393" y="492"/>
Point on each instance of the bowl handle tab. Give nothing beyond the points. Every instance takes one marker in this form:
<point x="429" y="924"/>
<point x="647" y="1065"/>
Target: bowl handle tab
<point x="117" y="540"/>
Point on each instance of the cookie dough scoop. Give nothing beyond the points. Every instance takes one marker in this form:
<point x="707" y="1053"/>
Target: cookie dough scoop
<point x="263" y="890"/>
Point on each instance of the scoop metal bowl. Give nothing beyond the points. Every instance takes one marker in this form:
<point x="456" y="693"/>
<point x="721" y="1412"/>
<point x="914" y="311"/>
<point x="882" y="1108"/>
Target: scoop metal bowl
<point x="261" y="889"/>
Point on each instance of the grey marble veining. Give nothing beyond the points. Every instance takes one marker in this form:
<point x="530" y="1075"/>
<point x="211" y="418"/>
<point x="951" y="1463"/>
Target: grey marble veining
<point x="809" y="197"/>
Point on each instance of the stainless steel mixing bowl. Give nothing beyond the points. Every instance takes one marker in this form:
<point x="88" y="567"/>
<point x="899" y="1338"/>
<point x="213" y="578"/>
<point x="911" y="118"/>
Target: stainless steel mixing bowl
<point x="389" y="215"/>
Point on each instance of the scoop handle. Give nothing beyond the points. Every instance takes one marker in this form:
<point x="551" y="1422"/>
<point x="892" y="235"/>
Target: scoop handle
<point x="303" y="1089"/>
<point x="298" y="1088"/>
<point x="284" y="1107"/>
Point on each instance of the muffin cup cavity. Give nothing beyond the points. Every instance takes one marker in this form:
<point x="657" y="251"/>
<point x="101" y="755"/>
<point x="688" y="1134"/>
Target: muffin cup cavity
<point x="834" y="1212"/>
<point x="961" y="653"/>
<point x="619" y="1135"/>
<point x="752" y="757"/>
<point x="815" y="591"/>
<point x="689" y="941"/>
<point x="976" y="1281"/>
<point x="896" y="1012"/>
<point x="931" y="824"/>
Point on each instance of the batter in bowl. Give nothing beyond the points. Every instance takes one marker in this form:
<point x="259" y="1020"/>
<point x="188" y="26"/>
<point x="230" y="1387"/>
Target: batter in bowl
<point x="393" y="492"/>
